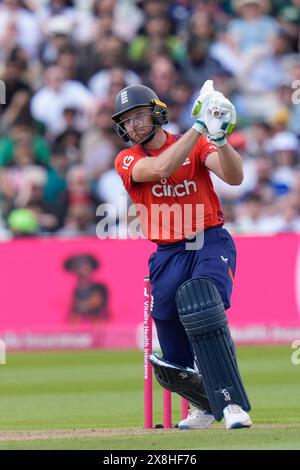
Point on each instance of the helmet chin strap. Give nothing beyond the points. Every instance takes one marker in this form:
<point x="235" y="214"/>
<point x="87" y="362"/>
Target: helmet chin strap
<point x="148" y="138"/>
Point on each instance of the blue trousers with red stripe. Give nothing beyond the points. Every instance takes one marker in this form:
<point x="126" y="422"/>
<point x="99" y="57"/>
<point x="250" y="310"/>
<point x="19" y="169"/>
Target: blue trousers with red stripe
<point x="173" y="264"/>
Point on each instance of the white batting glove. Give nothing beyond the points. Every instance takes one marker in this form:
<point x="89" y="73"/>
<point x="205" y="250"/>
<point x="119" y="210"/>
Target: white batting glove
<point x="200" y="106"/>
<point x="215" y="115"/>
<point x="220" y="118"/>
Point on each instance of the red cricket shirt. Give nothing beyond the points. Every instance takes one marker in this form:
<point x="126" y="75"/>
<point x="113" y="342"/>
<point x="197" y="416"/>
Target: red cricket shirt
<point x="178" y="206"/>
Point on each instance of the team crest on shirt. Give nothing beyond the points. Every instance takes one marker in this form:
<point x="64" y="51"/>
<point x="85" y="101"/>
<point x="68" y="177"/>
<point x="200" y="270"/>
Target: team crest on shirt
<point x="127" y="162"/>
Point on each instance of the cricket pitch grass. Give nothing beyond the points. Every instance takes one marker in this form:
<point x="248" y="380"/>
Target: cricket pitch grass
<point x="94" y="400"/>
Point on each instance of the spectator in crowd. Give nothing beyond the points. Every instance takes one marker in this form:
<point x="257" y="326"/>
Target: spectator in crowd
<point x="253" y="27"/>
<point x="17" y="93"/>
<point x="23" y="145"/>
<point x="162" y="76"/>
<point x="198" y="66"/>
<point x="62" y="62"/>
<point x="49" y="102"/>
<point x="119" y="11"/>
<point x="101" y="82"/>
<point x="18" y="27"/>
<point x="57" y="38"/>
<point x="158" y="33"/>
<point x="285" y="151"/>
<point x="98" y="147"/>
<point x="79" y="221"/>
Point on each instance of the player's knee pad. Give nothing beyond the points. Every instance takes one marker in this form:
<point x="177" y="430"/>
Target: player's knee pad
<point x="202" y="314"/>
<point x="182" y="380"/>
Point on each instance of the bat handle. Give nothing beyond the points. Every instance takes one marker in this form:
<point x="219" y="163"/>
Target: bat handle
<point x="216" y="113"/>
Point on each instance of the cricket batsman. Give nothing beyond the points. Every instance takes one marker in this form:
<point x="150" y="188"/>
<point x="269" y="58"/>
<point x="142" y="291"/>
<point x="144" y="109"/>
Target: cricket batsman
<point x="191" y="287"/>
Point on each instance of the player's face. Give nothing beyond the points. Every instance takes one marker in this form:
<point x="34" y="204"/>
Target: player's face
<point x="138" y="123"/>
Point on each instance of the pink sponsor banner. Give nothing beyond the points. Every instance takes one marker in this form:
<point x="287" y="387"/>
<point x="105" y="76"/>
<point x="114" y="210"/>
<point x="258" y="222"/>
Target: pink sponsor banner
<point x="50" y="297"/>
<point x="266" y="295"/>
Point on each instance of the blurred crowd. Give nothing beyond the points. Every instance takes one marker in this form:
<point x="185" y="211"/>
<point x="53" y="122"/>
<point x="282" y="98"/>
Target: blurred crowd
<point x="64" y="61"/>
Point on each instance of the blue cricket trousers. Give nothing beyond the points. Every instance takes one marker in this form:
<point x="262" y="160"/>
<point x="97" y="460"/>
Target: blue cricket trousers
<point x="169" y="267"/>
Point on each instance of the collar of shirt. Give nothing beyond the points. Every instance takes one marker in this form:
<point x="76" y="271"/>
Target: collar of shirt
<point x="153" y="152"/>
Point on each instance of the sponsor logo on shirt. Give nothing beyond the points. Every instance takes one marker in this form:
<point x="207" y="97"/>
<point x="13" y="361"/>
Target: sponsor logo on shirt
<point x="127" y="162"/>
<point x="187" y="161"/>
<point x="179" y="190"/>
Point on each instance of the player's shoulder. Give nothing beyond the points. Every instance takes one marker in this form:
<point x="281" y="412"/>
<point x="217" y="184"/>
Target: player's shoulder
<point x="127" y="154"/>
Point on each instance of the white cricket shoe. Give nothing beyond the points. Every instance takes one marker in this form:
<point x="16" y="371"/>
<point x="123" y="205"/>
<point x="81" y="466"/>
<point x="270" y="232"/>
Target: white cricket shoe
<point x="196" y="419"/>
<point x="235" y="417"/>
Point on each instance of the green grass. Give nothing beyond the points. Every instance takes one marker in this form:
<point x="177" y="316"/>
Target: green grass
<point x="104" y="389"/>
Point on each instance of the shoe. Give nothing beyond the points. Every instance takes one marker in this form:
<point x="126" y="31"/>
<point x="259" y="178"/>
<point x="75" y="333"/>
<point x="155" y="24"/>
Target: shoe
<point x="196" y="419"/>
<point x="235" y="417"/>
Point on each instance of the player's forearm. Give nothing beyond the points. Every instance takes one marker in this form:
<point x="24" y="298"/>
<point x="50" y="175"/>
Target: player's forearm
<point x="173" y="157"/>
<point x="231" y="164"/>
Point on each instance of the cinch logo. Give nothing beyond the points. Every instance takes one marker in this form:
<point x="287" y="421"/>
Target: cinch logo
<point x="181" y="189"/>
<point x="124" y="97"/>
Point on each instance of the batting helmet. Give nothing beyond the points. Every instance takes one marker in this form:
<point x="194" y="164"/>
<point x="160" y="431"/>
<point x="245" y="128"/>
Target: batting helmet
<point x="137" y="96"/>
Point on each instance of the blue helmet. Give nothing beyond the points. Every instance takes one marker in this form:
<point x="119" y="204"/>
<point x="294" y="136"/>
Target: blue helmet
<point x="137" y="96"/>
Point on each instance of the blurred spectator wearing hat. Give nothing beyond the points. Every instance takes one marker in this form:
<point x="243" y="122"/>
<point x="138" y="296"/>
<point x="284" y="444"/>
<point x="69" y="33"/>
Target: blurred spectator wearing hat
<point x="285" y="151"/>
<point x="90" y="298"/>
<point x="58" y="36"/>
<point x="253" y="27"/>
<point x="63" y="15"/>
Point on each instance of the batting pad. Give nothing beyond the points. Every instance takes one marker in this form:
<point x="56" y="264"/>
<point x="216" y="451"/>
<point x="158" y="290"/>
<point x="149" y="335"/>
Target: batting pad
<point x="202" y="313"/>
<point x="182" y="380"/>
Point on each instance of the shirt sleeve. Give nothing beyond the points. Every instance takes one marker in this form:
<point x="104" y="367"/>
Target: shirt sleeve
<point x="124" y="165"/>
<point x="203" y="148"/>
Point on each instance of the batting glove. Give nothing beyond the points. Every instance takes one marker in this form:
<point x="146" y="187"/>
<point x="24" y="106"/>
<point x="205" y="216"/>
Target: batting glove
<point x="200" y="107"/>
<point x="215" y="115"/>
<point x="219" y="119"/>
